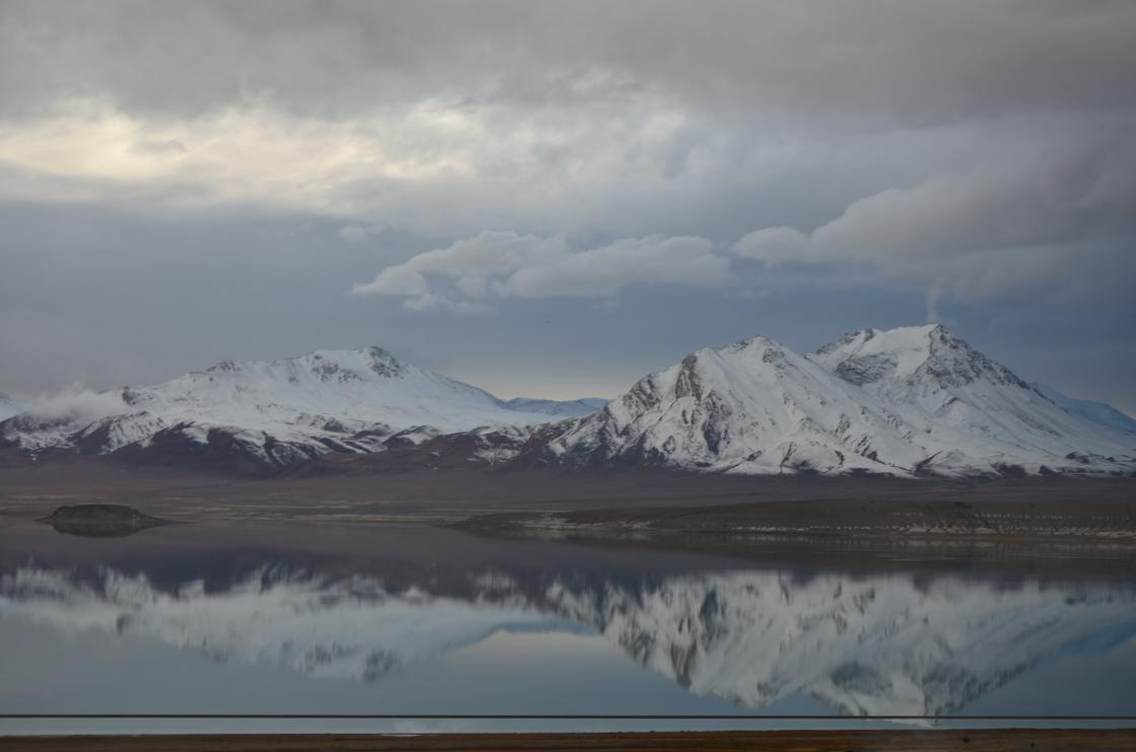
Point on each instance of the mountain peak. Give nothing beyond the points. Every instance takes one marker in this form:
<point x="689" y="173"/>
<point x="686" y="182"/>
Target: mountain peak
<point x="345" y="364"/>
<point x="758" y="340"/>
<point x="374" y="359"/>
<point x="908" y="354"/>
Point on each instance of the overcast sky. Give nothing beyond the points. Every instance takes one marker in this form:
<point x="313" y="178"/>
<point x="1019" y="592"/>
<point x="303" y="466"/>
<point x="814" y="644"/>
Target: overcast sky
<point x="552" y="198"/>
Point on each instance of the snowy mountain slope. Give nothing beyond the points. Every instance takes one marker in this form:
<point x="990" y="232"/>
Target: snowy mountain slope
<point x="1097" y="412"/>
<point x="909" y="401"/>
<point x="752" y="407"/>
<point x="968" y="413"/>
<point x="275" y="413"/>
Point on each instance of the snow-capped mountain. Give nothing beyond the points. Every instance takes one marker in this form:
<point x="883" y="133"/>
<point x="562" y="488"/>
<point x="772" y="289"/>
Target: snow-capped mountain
<point x="909" y="401"/>
<point x="905" y="402"/>
<point x="968" y="412"/>
<point x="752" y="407"/>
<point x="275" y="413"/>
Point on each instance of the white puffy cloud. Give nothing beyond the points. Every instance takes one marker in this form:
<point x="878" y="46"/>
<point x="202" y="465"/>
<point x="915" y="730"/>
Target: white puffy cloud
<point x="467" y="274"/>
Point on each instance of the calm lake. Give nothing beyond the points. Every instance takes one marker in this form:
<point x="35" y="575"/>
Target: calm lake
<point x="410" y="620"/>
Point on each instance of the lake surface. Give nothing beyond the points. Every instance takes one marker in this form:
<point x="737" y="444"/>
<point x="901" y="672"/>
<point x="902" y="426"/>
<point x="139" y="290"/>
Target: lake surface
<point x="413" y="620"/>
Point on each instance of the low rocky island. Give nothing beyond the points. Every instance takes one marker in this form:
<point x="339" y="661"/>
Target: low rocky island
<point x="101" y="520"/>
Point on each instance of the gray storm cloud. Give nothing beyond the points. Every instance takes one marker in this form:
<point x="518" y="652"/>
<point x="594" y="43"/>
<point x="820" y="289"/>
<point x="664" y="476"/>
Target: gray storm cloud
<point x="998" y="226"/>
<point x="235" y="169"/>
<point x="918" y="62"/>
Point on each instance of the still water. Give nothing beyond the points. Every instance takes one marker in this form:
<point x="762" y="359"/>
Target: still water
<point x="414" y="620"/>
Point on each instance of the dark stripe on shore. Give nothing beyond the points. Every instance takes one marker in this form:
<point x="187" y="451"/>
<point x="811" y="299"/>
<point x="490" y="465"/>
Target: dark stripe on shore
<point x="1009" y="740"/>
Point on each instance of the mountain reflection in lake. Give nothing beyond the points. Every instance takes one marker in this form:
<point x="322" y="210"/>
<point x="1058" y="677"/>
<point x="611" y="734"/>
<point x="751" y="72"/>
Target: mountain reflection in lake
<point x="512" y="637"/>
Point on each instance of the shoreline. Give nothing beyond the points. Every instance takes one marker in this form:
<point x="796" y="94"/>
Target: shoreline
<point x="1047" y="527"/>
<point x="1000" y="740"/>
